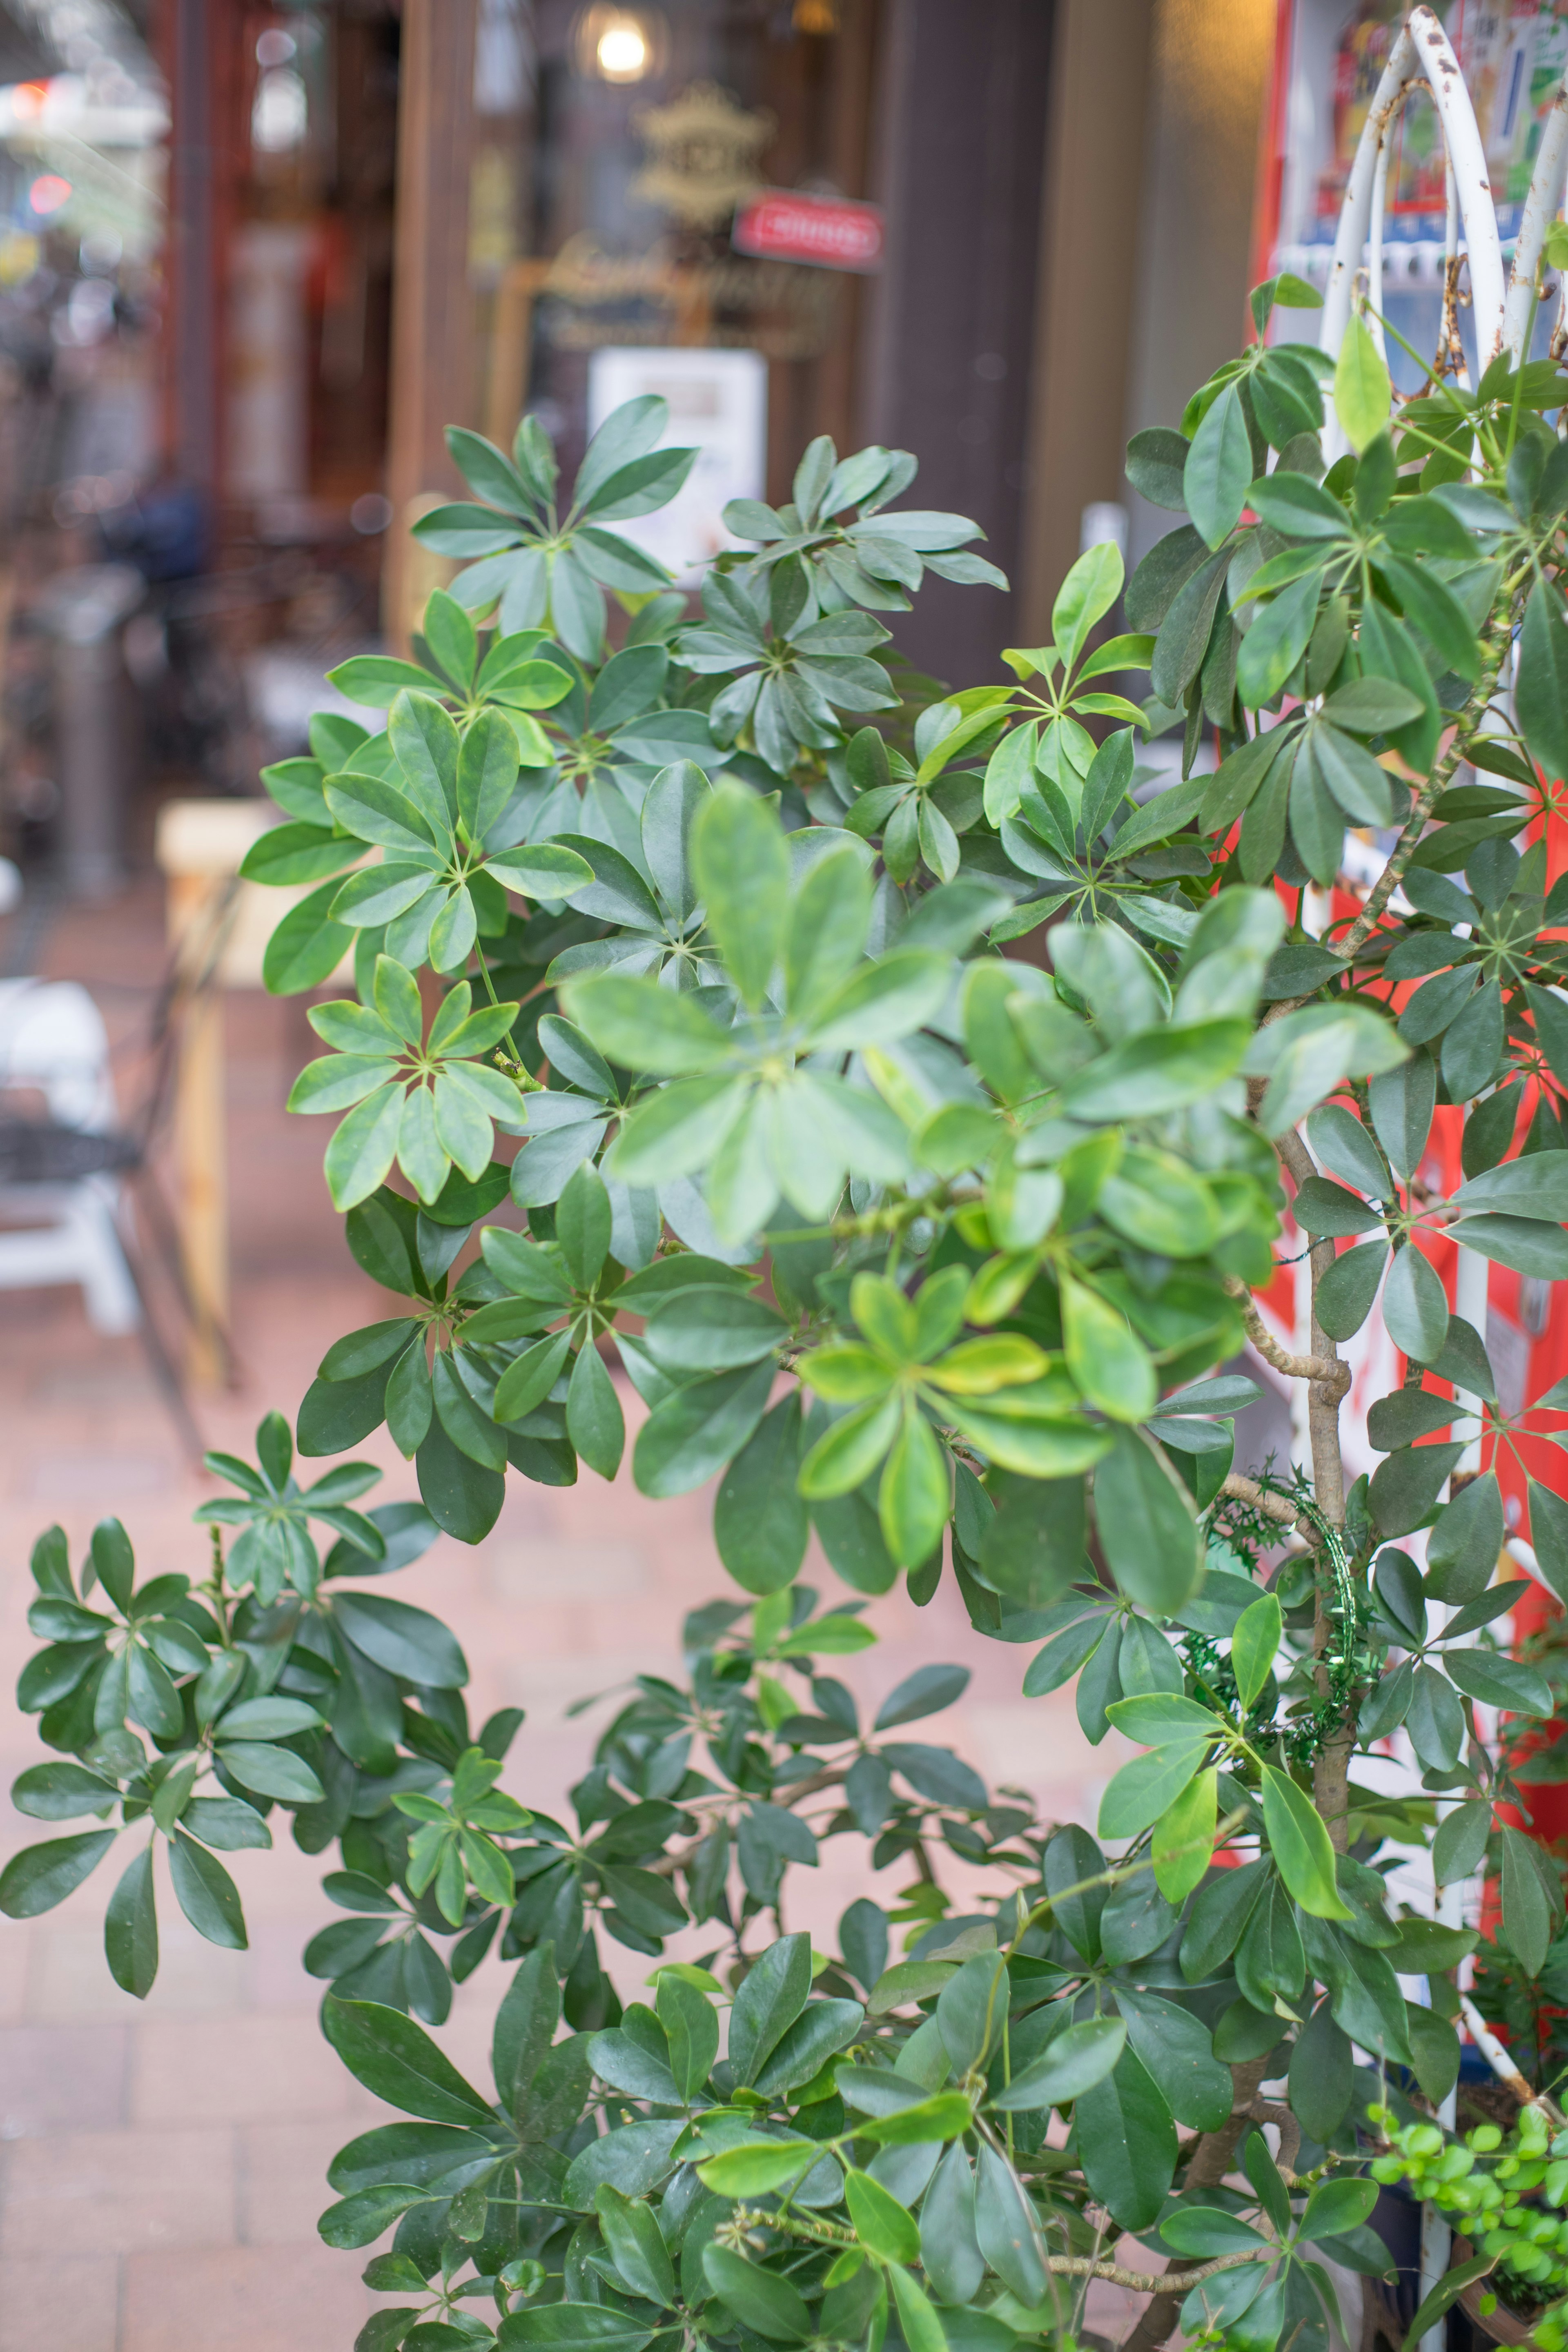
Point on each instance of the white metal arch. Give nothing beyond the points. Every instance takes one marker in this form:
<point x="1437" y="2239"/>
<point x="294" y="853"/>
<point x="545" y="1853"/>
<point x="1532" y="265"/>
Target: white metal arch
<point x="1502" y="303"/>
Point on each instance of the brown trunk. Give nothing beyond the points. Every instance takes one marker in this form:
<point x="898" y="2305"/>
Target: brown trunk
<point x="1331" y="1772"/>
<point x="1211" y="2161"/>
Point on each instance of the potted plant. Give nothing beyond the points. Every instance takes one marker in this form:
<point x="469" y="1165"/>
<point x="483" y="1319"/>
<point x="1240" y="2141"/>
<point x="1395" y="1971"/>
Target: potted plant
<point x="938" y="1253"/>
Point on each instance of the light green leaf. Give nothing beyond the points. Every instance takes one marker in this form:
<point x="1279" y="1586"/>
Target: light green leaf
<point x="1147" y="1788"/>
<point x="1253" y="1647"/>
<point x="1218" y="468"/>
<point x="360" y="1152"/>
<point x="644" y="1027"/>
<point x="1085" y="596"/>
<point x="845" y="1457"/>
<point x="742" y="867"/>
<point x="884" y="2227"/>
<point x="916" y="1492"/>
<point x="1300" y="1846"/>
<point x="1109" y="1364"/>
<point x="1363" y="392"/>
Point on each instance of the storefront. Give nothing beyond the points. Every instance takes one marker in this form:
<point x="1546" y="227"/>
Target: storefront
<point x="789" y="220"/>
<point x="997" y="236"/>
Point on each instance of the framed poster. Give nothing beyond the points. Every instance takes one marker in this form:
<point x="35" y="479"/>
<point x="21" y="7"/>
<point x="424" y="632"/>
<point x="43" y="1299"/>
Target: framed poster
<point x="717" y="401"/>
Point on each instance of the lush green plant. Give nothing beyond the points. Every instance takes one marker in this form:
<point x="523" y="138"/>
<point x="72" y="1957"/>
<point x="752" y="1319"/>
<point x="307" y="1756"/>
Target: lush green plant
<point x="942" y="1257"/>
<point x="1524" y="2241"/>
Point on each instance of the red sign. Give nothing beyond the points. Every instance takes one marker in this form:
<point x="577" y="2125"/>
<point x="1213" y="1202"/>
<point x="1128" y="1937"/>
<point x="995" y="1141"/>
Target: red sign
<point x="829" y="231"/>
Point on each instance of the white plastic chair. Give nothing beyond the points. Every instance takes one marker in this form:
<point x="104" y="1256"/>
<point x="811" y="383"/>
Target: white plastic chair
<point x="53" y="1043"/>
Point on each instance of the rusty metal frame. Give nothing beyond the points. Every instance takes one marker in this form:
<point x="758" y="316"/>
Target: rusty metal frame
<point x="1503" y="306"/>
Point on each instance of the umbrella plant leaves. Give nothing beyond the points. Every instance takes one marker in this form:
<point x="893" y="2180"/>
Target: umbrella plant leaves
<point x="676" y="1087"/>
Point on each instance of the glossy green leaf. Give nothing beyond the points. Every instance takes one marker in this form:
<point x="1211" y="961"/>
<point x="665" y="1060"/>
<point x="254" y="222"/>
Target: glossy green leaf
<point x="762" y="2300"/>
<point x="1072" y="2062"/>
<point x="42" y="1875"/>
<point x="1128" y="2142"/>
<point x="1362" y="388"/>
<point x="1218" y="468"/>
<point x="206" y="1894"/>
<point x="1300" y="1846"/>
<point x="398" y="2063"/>
<point x="130" y="1929"/>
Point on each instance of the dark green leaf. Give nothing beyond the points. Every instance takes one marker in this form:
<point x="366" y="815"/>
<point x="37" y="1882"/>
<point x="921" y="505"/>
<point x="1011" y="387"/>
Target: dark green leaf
<point x="401" y="1639"/>
<point x="398" y="2063"/>
<point x="130" y="1929"/>
<point x="1405" y="1486"/>
<point x="1462" y="1552"/>
<point x="761" y="2300"/>
<point x="771" y="1997"/>
<point x="1146" y="1524"/>
<point x="1177" y="2052"/>
<point x="570" y="2328"/>
<point x="949" y="2250"/>
<point x="206" y="1894"/>
<point x="1128" y="2143"/>
<point x="1008" y="2229"/>
<point x="1540" y="692"/>
<point x="760" y="1521"/>
<point x="42" y="1875"/>
<point x="1322" y="2071"/>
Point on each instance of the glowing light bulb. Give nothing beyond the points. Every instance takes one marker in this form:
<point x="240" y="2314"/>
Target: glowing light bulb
<point x="623" y="51"/>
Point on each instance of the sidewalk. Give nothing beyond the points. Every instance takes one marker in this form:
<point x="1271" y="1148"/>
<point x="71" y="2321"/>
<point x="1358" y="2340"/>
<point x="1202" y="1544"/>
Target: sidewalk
<point x="162" y="2165"/>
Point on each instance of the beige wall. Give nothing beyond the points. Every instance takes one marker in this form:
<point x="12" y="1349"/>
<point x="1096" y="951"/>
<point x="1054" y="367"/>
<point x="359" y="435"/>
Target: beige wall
<point x="1156" y="107"/>
<point x="432" y="315"/>
<point x="1209" y="85"/>
<point x="1101" y="64"/>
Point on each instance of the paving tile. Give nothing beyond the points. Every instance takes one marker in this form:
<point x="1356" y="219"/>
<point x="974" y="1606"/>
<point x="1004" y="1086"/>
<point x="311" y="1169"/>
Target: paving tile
<point x="12" y="1977"/>
<point x="521" y="1568"/>
<point x="70" y="2304"/>
<point x="68" y="1981"/>
<point x="263" y="2068"/>
<point x="58" y="2078"/>
<point x="113" y="2192"/>
<point x="234" y="2104"/>
<point x="282" y="2170"/>
<point x="244" y="2299"/>
<point x="81" y="1473"/>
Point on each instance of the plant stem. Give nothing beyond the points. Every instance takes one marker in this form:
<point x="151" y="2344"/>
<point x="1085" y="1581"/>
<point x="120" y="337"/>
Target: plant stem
<point x="495" y="1000"/>
<point x="1425" y="800"/>
<point x="1211" y="2161"/>
<point x="1326" y="1367"/>
<point x="1331" y="1769"/>
<point x="1242" y="1489"/>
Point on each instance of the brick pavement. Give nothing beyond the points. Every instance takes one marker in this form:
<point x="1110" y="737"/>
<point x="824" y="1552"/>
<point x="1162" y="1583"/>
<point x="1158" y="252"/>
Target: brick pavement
<point x="161" y="2164"/>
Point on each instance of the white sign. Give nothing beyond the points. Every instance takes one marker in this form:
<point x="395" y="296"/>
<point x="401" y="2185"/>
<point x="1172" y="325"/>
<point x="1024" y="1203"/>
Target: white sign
<point x="718" y="400"/>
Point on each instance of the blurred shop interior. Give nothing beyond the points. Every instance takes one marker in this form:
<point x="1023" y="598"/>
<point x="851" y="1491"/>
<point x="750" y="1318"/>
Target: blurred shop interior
<point x="254" y="258"/>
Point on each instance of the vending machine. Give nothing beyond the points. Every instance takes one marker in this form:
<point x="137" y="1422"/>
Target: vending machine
<point x="1329" y="57"/>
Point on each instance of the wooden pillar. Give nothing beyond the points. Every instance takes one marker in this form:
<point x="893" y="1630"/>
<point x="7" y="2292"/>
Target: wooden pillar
<point x="201" y="1152"/>
<point x="1209" y="73"/>
<point x="220" y="936"/>
<point x="200" y="48"/>
<point x="1089" y="279"/>
<point x="963" y="94"/>
<point x="433" y="311"/>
